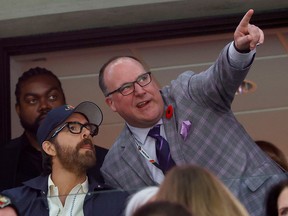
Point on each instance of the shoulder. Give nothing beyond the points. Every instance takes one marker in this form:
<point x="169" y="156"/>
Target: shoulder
<point x="29" y="187"/>
<point x="124" y="139"/>
<point x="26" y="198"/>
<point x="15" y="143"/>
<point x="181" y="82"/>
<point x="39" y="183"/>
<point x="20" y="195"/>
<point x="123" y="146"/>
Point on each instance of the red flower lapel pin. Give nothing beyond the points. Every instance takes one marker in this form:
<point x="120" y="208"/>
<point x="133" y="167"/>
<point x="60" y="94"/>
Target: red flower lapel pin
<point x="169" y="112"/>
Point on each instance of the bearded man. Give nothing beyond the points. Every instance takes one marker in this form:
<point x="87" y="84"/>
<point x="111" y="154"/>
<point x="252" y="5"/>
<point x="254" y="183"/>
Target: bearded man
<point x="65" y="137"/>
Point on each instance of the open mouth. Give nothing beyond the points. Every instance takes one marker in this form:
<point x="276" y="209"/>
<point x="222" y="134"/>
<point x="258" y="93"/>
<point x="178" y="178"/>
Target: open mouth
<point x="142" y="104"/>
<point x="88" y="147"/>
<point x="87" y="144"/>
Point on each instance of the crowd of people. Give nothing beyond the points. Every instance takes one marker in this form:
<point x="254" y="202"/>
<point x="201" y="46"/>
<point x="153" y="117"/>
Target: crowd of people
<point x="181" y="149"/>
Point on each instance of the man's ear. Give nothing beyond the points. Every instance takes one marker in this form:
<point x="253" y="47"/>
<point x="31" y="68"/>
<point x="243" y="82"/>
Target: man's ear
<point x="49" y="148"/>
<point x="110" y="103"/>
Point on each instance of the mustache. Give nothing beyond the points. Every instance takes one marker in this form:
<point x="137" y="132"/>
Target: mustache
<point x="85" y="141"/>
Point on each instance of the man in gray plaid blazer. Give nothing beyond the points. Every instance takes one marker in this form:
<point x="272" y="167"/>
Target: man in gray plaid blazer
<point x="196" y="119"/>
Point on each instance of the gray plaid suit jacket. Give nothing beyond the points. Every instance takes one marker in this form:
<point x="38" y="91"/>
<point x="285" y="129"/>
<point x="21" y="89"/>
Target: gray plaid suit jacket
<point x="216" y="140"/>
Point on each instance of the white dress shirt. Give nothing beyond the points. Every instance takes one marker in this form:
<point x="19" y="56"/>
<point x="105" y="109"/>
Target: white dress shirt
<point x="148" y="144"/>
<point x="73" y="203"/>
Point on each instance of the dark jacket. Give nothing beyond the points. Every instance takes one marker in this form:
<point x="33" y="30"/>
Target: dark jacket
<point x="20" y="162"/>
<point x="31" y="198"/>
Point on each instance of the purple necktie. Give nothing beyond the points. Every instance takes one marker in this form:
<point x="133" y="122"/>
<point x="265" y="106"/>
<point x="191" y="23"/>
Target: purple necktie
<point x="165" y="160"/>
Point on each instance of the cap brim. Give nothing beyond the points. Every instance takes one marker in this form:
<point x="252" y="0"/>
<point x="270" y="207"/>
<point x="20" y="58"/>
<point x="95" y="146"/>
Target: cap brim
<point x="91" y="111"/>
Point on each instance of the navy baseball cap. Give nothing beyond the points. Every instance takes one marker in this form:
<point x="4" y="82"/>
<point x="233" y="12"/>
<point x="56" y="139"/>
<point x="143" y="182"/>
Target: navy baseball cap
<point x="57" y="116"/>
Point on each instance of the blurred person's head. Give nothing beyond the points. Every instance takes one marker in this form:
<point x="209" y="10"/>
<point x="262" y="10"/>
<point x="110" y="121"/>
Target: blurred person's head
<point x="277" y="199"/>
<point x="37" y="91"/>
<point x="274" y="153"/>
<point x="200" y="191"/>
<point x="162" y="208"/>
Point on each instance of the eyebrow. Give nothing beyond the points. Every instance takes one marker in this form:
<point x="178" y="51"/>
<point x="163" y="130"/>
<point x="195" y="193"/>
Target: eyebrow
<point x="47" y="92"/>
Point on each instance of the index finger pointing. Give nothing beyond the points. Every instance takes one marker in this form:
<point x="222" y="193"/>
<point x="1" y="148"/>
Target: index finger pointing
<point x="246" y="19"/>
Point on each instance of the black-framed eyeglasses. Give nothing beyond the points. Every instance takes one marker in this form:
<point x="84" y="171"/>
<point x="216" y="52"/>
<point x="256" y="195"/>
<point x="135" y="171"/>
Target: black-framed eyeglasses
<point x="76" y="128"/>
<point x="129" y="88"/>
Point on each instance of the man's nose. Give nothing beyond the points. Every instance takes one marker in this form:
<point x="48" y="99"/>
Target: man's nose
<point x="138" y="89"/>
<point x="44" y="105"/>
<point x="85" y="132"/>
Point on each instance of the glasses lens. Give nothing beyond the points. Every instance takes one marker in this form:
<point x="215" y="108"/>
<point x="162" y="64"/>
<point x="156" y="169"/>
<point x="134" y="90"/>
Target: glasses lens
<point x="92" y="128"/>
<point x="144" y="79"/>
<point x="127" y="88"/>
<point x="74" y="127"/>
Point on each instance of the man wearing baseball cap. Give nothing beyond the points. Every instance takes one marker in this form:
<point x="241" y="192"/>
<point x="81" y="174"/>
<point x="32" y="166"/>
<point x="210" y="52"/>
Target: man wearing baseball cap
<point x="65" y="188"/>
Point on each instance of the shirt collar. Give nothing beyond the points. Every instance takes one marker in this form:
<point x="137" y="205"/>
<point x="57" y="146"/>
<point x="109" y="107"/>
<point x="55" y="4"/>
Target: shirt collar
<point x="141" y="133"/>
<point x="53" y="190"/>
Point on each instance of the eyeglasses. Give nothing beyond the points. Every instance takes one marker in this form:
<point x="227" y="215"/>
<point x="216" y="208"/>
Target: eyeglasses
<point x="76" y="128"/>
<point x="129" y="88"/>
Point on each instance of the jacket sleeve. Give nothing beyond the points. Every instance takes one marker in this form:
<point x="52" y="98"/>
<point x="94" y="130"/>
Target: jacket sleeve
<point x="27" y="201"/>
<point x="213" y="88"/>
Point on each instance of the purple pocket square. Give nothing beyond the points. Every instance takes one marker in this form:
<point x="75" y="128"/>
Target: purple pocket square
<point x="185" y="127"/>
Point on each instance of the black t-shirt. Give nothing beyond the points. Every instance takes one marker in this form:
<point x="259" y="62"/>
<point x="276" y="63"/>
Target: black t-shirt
<point x="29" y="165"/>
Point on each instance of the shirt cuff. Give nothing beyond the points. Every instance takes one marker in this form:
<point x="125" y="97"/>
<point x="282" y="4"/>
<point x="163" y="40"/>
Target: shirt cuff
<point x="240" y="60"/>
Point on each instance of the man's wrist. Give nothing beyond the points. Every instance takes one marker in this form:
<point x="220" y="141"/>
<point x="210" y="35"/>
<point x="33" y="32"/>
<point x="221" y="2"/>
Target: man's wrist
<point x="241" y="51"/>
<point x="240" y="60"/>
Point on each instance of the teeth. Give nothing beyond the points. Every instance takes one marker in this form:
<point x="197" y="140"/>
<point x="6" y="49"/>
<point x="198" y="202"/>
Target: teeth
<point x="141" y="104"/>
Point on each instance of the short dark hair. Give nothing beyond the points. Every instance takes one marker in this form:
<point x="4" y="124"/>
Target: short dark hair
<point x="274" y="153"/>
<point x="272" y="197"/>
<point x="102" y="84"/>
<point x="32" y="72"/>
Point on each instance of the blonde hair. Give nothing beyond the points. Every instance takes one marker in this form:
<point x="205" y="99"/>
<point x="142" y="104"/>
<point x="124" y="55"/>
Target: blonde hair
<point x="200" y="191"/>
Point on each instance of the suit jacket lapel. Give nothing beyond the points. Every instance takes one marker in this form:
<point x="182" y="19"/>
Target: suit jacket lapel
<point x="132" y="156"/>
<point x="172" y="128"/>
